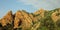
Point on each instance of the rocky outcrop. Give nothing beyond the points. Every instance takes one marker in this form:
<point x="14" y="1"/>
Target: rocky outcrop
<point x="18" y="18"/>
<point x="7" y="19"/>
<point x="41" y="12"/>
<point x="27" y="22"/>
<point x="24" y="19"/>
<point x="55" y="16"/>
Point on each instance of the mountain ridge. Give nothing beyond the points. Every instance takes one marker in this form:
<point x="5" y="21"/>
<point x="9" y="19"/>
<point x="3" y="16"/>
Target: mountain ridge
<point x="25" y="20"/>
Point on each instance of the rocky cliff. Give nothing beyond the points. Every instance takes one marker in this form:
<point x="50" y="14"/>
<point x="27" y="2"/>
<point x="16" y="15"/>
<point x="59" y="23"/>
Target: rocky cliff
<point x="26" y="21"/>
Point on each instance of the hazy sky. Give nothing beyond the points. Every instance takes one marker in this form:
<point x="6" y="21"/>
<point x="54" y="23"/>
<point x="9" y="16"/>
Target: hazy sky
<point x="28" y="5"/>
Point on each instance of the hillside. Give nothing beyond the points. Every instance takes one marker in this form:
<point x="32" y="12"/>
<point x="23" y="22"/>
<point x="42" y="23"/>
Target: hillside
<point x="39" y="20"/>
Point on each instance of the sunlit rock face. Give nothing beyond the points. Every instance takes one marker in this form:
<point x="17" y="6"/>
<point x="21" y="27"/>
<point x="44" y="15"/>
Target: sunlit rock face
<point x="27" y="22"/>
<point x="23" y="18"/>
<point x="7" y="19"/>
<point x="18" y="17"/>
<point x="38" y="15"/>
<point x="55" y="16"/>
<point x="41" y="12"/>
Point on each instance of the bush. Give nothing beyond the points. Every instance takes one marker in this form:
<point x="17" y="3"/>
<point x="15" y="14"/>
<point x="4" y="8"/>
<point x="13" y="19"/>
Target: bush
<point x="48" y="22"/>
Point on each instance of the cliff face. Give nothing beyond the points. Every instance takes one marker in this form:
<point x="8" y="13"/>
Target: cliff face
<point x="7" y="19"/>
<point x="24" y="20"/>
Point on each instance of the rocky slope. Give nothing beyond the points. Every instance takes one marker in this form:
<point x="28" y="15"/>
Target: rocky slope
<point x="28" y="21"/>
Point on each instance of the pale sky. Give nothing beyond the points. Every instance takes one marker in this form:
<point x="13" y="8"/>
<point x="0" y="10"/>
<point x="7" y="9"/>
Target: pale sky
<point x="28" y="5"/>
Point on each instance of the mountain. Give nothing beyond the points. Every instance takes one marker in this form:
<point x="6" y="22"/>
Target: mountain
<point x="39" y="20"/>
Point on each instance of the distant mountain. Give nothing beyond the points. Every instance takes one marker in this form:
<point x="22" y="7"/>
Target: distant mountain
<point x="39" y="20"/>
